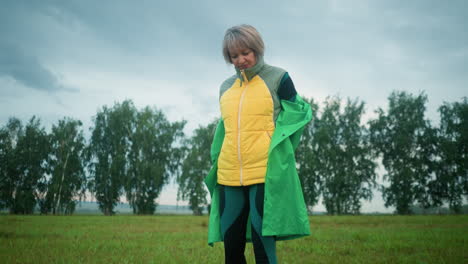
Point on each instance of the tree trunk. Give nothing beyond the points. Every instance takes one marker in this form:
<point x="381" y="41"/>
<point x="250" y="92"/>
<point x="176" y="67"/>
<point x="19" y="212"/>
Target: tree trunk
<point x="61" y="183"/>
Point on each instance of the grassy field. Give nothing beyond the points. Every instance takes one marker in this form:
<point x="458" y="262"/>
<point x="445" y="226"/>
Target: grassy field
<point x="182" y="239"/>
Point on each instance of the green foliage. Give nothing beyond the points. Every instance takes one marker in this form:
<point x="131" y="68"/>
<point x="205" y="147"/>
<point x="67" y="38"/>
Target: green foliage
<point x="406" y="143"/>
<point x="134" y="153"/>
<point x="66" y="165"/>
<point x="24" y="153"/>
<point x="153" y="158"/>
<point x="451" y="183"/>
<point x="307" y="159"/>
<point x="108" y="151"/>
<point x="195" y="167"/>
<point x="9" y="136"/>
<point x="344" y="157"/>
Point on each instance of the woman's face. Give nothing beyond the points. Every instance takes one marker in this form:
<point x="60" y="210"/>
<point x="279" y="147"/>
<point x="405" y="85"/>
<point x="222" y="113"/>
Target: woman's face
<point x="243" y="58"/>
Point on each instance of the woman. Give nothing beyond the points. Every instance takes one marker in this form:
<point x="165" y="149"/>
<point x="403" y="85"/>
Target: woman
<point x="255" y="191"/>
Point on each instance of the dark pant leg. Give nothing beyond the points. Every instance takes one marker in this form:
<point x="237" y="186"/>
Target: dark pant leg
<point x="234" y="208"/>
<point x="264" y="246"/>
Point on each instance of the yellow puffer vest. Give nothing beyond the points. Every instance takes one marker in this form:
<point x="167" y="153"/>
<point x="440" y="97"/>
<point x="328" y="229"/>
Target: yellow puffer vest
<point x="249" y="107"/>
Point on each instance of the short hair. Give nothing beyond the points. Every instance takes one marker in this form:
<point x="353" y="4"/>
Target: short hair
<point x="242" y="36"/>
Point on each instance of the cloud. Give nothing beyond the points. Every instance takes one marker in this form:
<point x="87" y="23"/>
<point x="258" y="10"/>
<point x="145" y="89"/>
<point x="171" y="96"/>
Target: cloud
<point x="329" y="47"/>
<point x="168" y="54"/>
<point x="27" y="69"/>
<point x="21" y="39"/>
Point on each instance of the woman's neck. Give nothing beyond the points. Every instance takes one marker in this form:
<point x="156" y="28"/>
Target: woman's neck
<point x="252" y="71"/>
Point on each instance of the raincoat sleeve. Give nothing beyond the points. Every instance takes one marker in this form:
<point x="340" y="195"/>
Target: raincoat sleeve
<point x="217" y="141"/>
<point x="214" y="229"/>
<point x="211" y="179"/>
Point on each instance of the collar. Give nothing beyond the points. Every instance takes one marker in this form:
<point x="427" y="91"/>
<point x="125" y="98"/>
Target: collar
<point x="250" y="72"/>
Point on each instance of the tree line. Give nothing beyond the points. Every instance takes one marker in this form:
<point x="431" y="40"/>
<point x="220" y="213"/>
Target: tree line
<point x="134" y="153"/>
<point x="130" y="152"/>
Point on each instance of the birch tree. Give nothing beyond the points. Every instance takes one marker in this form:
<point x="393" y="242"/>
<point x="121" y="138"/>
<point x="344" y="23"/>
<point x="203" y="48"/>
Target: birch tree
<point x="108" y="152"/>
<point x="307" y="159"/>
<point x="195" y="167"/>
<point x="154" y="157"/>
<point x="344" y="155"/>
<point x="401" y="135"/>
<point x="67" y="182"/>
<point x="451" y="184"/>
<point x="25" y="151"/>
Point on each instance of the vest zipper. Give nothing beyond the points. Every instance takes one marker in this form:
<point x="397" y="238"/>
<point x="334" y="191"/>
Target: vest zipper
<point x="239" y="123"/>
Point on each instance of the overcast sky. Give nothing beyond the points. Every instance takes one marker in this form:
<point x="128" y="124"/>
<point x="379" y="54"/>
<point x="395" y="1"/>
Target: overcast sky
<point x="70" y="58"/>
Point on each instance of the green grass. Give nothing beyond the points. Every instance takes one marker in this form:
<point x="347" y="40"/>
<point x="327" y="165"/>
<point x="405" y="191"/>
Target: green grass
<point x="182" y="239"/>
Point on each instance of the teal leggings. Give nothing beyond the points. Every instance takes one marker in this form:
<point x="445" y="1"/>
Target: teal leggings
<point x="236" y="203"/>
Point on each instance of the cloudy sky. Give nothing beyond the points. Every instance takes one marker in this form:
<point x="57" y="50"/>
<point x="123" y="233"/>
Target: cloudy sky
<point x="70" y="58"/>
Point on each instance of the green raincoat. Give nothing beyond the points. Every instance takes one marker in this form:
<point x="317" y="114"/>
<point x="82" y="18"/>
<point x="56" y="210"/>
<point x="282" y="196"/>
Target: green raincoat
<point x="284" y="212"/>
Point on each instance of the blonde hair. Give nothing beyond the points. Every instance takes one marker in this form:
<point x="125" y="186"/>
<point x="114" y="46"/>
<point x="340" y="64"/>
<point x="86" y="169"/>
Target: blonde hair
<point x="242" y="36"/>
